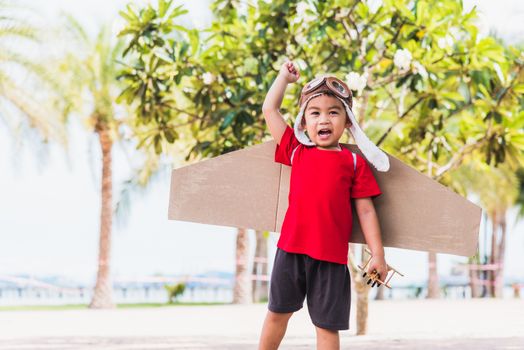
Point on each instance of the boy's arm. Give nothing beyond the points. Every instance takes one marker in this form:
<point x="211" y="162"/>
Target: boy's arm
<point x="271" y="107"/>
<point x="368" y="219"/>
<point x="369" y="224"/>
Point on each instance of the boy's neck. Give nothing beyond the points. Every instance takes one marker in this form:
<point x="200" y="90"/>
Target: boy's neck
<point x="331" y="148"/>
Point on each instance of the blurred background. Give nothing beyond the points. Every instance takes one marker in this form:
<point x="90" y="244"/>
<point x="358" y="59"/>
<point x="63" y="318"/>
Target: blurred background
<point x="99" y="100"/>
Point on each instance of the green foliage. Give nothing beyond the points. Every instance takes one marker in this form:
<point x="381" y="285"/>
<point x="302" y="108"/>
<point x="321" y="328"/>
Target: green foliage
<point x="22" y="109"/>
<point x="455" y="95"/>
<point x="174" y="291"/>
<point x="161" y="53"/>
<point x="520" y="199"/>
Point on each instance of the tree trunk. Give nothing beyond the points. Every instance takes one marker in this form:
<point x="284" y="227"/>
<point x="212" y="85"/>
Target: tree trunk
<point x="433" y="282"/>
<point x="359" y="288"/>
<point x="499" y="285"/>
<point x="242" y="288"/>
<point x="260" y="286"/>
<point x="103" y="292"/>
<point x="362" y="291"/>
<point x="494" y="247"/>
<point x="380" y="294"/>
<point x="474" y="277"/>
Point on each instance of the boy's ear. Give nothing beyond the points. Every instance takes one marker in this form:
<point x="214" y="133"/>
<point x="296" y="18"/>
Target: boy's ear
<point x="348" y="121"/>
<point x="302" y="125"/>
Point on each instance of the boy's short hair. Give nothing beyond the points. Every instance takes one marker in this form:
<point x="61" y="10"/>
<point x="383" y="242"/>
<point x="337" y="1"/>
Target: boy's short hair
<point x="331" y="94"/>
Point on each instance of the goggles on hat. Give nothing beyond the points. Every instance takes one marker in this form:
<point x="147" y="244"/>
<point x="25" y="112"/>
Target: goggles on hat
<point x="317" y="87"/>
<point x="333" y="84"/>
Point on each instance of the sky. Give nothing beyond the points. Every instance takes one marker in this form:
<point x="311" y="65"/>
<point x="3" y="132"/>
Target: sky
<point x="49" y="207"/>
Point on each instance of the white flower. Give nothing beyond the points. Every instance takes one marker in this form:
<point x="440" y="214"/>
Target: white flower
<point x="301" y="39"/>
<point x="402" y="59"/>
<point x="374" y="5"/>
<point x="208" y="78"/>
<point x="301" y="8"/>
<point x="302" y="65"/>
<point x="445" y="42"/>
<point x="420" y="69"/>
<point x="357" y="82"/>
<point x="499" y="72"/>
<point x="302" y="14"/>
<point x="379" y="43"/>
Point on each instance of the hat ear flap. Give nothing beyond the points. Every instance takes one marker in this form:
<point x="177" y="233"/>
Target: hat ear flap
<point x="299" y="128"/>
<point x="372" y="153"/>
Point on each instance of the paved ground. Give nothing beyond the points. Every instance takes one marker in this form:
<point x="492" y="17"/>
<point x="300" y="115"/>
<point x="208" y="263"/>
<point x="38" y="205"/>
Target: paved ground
<point x="191" y="343"/>
<point x="418" y="324"/>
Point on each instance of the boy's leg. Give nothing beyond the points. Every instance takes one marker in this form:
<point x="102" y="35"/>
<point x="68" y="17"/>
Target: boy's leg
<point x="287" y="291"/>
<point x="328" y="300"/>
<point x="327" y="339"/>
<point x="274" y="329"/>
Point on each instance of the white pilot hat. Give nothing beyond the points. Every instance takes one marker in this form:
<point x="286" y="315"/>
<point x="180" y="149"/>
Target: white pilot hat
<point x="319" y="86"/>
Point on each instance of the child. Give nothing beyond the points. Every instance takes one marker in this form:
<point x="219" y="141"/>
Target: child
<point x="312" y="251"/>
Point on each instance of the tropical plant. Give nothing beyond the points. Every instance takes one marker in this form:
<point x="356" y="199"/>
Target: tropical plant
<point x="88" y="78"/>
<point x="28" y="117"/>
<point x="174" y="291"/>
<point x="427" y="88"/>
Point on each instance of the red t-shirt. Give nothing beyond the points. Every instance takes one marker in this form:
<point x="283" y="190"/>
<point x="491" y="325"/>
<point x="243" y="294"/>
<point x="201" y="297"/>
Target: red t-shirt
<point x="318" y="221"/>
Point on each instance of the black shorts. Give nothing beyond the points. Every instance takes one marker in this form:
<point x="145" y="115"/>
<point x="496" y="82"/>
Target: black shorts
<point x="327" y="286"/>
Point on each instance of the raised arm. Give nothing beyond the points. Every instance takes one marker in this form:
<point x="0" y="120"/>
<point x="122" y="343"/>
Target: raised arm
<point x="271" y="108"/>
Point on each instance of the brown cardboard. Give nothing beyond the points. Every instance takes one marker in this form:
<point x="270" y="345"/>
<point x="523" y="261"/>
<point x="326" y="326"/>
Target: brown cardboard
<point x="248" y="189"/>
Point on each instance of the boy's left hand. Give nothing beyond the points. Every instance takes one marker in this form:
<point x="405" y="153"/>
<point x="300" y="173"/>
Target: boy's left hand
<point x="378" y="263"/>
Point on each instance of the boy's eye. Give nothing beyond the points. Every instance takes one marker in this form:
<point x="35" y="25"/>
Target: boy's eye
<point x="334" y="112"/>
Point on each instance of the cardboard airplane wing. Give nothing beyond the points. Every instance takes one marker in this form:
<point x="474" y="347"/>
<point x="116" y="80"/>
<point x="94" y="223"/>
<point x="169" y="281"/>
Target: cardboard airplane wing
<point x="248" y="189"/>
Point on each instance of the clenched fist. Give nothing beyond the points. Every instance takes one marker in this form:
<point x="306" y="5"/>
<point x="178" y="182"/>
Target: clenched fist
<point x="290" y="72"/>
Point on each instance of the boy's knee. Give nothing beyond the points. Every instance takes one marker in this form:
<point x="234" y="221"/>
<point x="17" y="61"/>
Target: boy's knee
<point x="326" y="332"/>
<point x="279" y="316"/>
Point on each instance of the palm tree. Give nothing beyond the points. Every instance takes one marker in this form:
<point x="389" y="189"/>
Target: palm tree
<point x="242" y="288"/>
<point x="520" y="199"/>
<point x="361" y="288"/>
<point x="260" y="267"/>
<point x="22" y="110"/>
<point x="88" y="72"/>
<point x="498" y="190"/>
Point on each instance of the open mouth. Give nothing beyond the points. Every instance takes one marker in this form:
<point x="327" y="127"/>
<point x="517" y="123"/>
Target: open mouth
<point x="324" y="132"/>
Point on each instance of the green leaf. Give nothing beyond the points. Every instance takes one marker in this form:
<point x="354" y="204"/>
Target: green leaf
<point x="495" y="115"/>
<point x="171" y="135"/>
<point x="158" y="145"/>
<point x="227" y="120"/>
<point x="163" y="6"/>
<point x="127" y="94"/>
<point x="194" y="40"/>
<point x="519" y="88"/>
<point x="452" y="96"/>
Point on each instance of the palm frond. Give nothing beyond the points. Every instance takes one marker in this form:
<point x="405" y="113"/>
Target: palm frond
<point x="38" y="116"/>
<point x="143" y="177"/>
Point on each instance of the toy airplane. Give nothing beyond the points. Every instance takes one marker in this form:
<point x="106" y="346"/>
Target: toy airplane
<point x="374" y="277"/>
<point x="248" y="189"/>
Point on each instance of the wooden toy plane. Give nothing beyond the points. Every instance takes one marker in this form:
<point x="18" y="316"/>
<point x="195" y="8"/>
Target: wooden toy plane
<point x="248" y="189"/>
<point x="373" y="277"/>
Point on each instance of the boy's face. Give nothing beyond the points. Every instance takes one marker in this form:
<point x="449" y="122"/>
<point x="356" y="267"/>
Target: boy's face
<point x="325" y="119"/>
